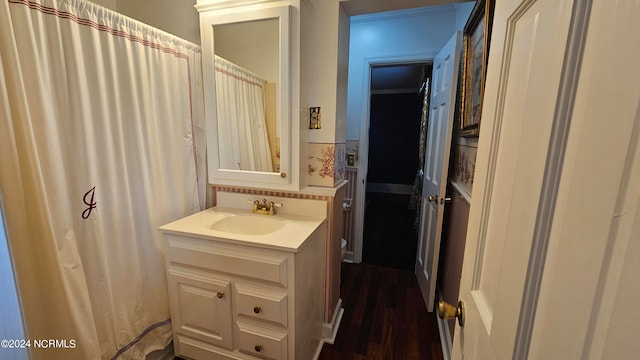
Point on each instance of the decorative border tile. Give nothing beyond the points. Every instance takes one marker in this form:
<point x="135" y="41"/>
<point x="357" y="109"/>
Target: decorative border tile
<point x="465" y="166"/>
<point x="326" y="164"/>
<point x="271" y="193"/>
<point x="340" y="163"/>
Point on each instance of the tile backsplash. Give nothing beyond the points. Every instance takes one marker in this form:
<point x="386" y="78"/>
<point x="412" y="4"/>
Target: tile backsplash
<point x="290" y="205"/>
<point x="326" y="163"/>
<point x="465" y="166"/>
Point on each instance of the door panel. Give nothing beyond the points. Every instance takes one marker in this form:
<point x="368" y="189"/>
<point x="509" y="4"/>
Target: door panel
<point x="596" y="226"/>
<point x="520" y="101"/>
<point x="439" y="132"/>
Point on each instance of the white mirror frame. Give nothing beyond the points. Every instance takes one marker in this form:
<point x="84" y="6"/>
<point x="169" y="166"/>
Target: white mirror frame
<point x="286" y="178"/>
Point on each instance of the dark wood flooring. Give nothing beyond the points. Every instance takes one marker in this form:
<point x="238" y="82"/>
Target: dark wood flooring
<point x="389" y="238"/>
<point x="384" y="317"/>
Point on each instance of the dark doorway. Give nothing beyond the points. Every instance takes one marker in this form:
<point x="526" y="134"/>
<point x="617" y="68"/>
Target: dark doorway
<point x="390" y="238"/>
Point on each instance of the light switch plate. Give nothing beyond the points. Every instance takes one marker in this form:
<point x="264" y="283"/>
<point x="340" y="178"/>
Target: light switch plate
<point x="314" y="118"/>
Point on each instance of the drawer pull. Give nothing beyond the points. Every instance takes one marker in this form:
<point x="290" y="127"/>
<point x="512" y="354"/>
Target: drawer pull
<point x="256" y="309"/>
<point x="257" y="348"/>
<point x="220" y="294"/>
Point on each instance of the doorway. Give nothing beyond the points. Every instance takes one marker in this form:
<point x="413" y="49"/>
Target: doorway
<point x="396" y="102"/>
<point x="11" y="326"/>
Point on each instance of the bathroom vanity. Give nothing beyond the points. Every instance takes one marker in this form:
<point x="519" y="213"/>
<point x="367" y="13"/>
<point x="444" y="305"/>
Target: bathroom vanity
<point x="244" y="285"/>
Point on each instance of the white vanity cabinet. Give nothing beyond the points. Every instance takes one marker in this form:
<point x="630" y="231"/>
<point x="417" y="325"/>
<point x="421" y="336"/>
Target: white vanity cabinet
<point x="235" y="300"/>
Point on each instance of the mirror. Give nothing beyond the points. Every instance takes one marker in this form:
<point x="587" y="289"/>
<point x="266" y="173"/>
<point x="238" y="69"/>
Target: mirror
<point x="247" y="72"/>
<point x="247" y="105"/>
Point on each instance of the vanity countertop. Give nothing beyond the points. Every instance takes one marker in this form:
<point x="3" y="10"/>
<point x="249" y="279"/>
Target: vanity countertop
<point x="240" y="226"/>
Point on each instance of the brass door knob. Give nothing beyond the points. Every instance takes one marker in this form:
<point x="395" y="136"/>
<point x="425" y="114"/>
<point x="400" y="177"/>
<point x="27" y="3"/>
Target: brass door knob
<point x="256" y="309"/>
<point x="220" y="294"/>
<point x="447" y="311"/>
<point x="433" y="198"/>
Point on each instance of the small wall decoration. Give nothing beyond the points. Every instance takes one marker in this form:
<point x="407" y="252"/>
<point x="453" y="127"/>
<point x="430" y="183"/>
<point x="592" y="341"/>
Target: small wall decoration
<point x="477" y="36"/>
<point x="314" y="118"/>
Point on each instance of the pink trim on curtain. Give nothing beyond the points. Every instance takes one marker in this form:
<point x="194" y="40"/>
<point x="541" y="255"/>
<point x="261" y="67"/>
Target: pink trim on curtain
<point x="147" y="43"/>
<point x="219" y="69"/>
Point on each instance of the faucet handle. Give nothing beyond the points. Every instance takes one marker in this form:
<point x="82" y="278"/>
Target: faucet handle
<point x="272" y="207"/>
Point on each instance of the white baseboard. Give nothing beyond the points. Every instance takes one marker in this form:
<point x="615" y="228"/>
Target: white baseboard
<point x="330" y="330"/>
<point x="316" y="355"/>
<point x="348" y="257"/>
<point x="389" y="188"/>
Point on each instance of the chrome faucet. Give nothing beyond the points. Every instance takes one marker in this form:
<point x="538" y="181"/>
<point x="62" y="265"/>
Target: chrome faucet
<point x="264" y="208"/>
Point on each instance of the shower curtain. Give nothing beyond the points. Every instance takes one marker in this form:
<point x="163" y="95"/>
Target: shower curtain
<point x="242" y="131"/>
<point x="101" y="132"/>
<point x="416" y="194"/>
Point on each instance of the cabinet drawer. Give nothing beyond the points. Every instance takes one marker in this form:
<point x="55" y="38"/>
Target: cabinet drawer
<point x="190" y="348"/>
<point x="260" y="304"/>
<point x="262" y="342"/>
<point x="236" y="259"/>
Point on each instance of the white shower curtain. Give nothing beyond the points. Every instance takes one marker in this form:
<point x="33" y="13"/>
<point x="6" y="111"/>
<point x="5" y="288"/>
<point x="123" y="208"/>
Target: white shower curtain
<point x="101" y="129"/>
<point x="243" y="142"/>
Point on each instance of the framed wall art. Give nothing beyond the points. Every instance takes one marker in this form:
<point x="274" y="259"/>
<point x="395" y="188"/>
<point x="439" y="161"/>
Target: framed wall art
<point x="477" y="36"/>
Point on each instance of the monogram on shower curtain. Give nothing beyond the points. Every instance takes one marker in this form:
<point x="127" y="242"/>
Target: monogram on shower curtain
<point x="100" y="131"/>
<point x="243" y="142"/>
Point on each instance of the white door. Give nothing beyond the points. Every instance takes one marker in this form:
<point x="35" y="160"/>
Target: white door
<point x="550" y="268"/>
<point x="436" y="163"/>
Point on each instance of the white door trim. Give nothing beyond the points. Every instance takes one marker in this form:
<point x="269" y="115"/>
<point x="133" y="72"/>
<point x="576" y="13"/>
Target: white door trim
<point x="363" y="141"/>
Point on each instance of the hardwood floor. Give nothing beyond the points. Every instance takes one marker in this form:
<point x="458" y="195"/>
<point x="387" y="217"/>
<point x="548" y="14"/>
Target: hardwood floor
<point x="384" y="317"/>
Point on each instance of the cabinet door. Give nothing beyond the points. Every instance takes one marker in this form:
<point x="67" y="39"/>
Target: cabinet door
<point x="201" y="307"/>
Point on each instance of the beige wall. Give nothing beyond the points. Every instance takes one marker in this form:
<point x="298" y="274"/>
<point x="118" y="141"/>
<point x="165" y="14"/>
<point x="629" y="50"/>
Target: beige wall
<point x="177" y="17"/>
<point x="323" y="64"/>
<point x="462" y="170"/>
<point x="452" y="250"/>
<point x="252" y="45"/>
<point x="110" y="4"/>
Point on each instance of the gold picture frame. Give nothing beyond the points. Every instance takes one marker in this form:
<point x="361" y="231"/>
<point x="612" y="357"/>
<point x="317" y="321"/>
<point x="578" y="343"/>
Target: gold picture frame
<point x="477" y="36"/>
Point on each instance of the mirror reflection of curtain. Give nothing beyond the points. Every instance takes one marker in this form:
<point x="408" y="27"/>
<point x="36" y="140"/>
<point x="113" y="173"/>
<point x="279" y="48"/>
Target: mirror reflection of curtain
<point x="243" y="143"/>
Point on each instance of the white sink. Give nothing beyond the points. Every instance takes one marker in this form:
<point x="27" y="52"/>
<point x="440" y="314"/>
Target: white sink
<point x="249" y="224"/>
<point x="280" y="231"/>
